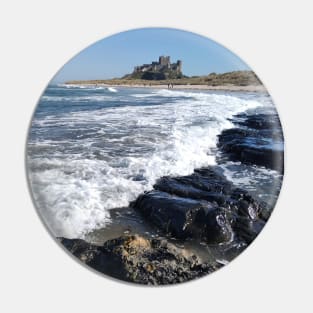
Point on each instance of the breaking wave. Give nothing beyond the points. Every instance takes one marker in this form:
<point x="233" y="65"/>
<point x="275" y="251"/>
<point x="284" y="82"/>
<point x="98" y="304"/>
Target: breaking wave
<point x="84" y="163"/>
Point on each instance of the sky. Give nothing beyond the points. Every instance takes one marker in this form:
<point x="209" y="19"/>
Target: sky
<point x="117" y="55"/>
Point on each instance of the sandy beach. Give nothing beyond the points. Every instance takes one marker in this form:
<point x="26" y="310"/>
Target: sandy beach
<point x="249" y="88"/>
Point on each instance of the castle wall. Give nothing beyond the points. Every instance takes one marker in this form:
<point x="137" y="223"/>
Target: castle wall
<point x="164" y="63"/>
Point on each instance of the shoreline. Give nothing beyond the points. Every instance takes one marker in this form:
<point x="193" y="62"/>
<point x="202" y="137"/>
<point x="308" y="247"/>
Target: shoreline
<point x="248" y="88"/>
<point x="186" y="226"/>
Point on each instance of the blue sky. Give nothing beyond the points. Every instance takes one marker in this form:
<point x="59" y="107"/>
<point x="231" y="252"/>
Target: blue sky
<point x="117" y="55"/>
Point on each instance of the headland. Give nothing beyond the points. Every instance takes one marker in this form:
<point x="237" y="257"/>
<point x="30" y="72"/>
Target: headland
<point x="164" y="74"/>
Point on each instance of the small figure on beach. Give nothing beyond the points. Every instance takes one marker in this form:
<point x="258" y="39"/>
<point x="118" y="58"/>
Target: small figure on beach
<point x="170" y="86"/>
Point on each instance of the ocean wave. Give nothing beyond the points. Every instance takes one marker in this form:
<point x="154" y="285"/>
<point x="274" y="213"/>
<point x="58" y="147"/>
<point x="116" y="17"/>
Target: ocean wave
<point x="77" y="98"/>
<point x="111" y="89"/>
<point x="86" y="87"/>
<point x="113" y="154"/>
<point x="76" y="86"/>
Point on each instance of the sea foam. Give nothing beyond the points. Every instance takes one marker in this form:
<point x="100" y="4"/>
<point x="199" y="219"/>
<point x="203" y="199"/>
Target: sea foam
<point x="107" y="157"/>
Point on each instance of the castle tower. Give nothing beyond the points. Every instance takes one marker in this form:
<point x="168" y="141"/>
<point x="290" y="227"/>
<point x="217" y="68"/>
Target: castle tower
<point x="164" y="61"/>
<point x="179" y="66"/>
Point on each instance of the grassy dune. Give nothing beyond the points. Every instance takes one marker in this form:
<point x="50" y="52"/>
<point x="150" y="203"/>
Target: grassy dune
<point x="237" y="78"/>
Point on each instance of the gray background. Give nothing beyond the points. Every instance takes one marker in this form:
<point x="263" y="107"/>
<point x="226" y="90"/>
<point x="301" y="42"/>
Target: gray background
<point x="274" y="38"/>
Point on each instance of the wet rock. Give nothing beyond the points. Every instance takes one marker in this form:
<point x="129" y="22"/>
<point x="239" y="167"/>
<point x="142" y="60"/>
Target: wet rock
<point x="245" y="205"/>
<point x="217" y="226"/>
<point x="259" y="121"/>
<point x="203" y="205"/>
<point x="141" y="260"/>
<point x="206" y="180"/>
<point x="172" y="214"/>
<point x="182" y="188"/>
<point x="248" y="229"/>
<point x="258" y="141"/>
<point x="185" y="217"/>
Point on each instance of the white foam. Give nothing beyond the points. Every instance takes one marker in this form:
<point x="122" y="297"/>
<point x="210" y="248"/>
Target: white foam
<point x="131" y="148"/>
<point x="82" y="98"/>
<point x="111" y="89"/>
<point x="142" y="95"/>
<point x="262" y="183"/>
<point x="75" y="86"/>
<point x="68" y="196"/>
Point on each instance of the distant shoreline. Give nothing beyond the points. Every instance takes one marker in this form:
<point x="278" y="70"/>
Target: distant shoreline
<point x="248" y="88"/>
<point x="230" y="81"/>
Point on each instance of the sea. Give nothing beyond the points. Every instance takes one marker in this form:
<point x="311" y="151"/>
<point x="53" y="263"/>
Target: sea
<point x="93" y="149"/>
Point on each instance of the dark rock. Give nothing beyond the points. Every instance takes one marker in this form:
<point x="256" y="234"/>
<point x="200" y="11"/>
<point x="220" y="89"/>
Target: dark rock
<point x="182" y="188"/>
<point x="204" y="205"/>
<point x="259" y="121"/>
<point x="248" y="229"/>
<point x="184" y="217"/>
<point x="140" y="260"/>
<point x="259" y="141"/>
<point x="172" y="214"/>
<point x="246" y="205"/>
<point x="208" y="183"/>
<point x="217" y="226"/>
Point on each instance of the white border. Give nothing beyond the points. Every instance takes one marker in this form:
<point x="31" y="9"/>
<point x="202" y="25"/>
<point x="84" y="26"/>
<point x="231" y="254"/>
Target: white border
<point x="273" y="38"/>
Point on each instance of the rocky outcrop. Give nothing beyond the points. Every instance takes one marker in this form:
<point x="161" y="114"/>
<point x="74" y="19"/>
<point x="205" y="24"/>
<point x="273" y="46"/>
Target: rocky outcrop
<point x="185" y="218"/>
<point x="202" y="206"/>
<point x="140" y="260"/>
<point x="258" y="141"/>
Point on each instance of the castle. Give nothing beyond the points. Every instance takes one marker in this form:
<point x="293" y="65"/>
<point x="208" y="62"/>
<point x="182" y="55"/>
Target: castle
<point x="164" y="64"/>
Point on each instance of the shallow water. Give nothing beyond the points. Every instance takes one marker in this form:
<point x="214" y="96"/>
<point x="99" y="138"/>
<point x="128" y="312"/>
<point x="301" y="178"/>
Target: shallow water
<point x="126" y="221"/>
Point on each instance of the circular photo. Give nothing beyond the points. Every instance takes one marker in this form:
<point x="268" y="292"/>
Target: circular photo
<point x="155" y="156"/>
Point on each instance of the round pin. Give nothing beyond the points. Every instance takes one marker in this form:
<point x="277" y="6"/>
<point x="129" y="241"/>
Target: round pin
<point x="155" y="156"/>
